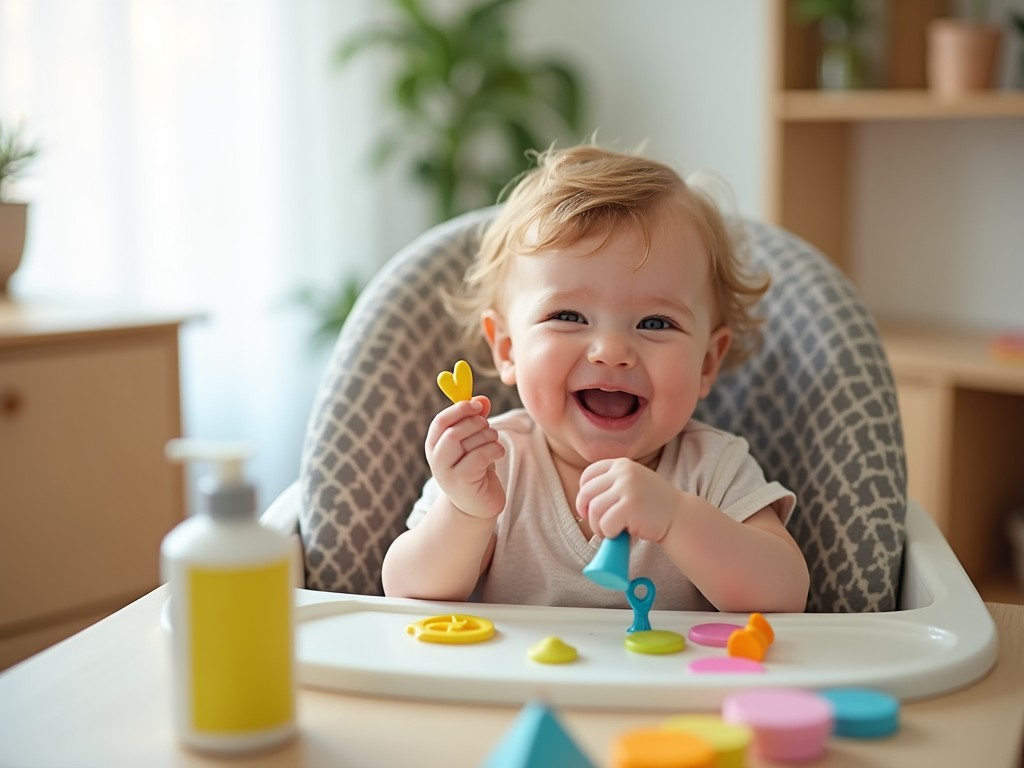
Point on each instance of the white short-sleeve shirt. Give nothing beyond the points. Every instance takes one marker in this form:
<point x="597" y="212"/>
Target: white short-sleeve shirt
<point x="540" y="550"/>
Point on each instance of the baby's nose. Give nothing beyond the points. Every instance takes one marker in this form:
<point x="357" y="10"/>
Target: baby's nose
<point x="611" y="348"/>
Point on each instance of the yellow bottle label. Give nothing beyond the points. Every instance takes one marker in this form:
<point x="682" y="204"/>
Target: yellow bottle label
<point x="241" y="648"/>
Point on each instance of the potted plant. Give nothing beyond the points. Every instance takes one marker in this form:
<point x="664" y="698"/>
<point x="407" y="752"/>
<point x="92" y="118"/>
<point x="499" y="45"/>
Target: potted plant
<point x="963" y="53"/>
<point x="467" y="107"/>
<point x="466" y="110"/>
<point x="16" y="153"/>
<point x="842" y="65"/>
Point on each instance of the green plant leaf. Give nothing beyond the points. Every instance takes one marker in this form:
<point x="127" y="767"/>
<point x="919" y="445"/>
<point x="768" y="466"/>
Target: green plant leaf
<point x="489" y="13"/>
<point x="406" y="91"/>
<point x="466" y="105"/>
<point x="523" y="139"/>
<point x="562" y="91"/>
<point x="16" y="154"/>
<point x="807" y="11"/>
<point x="1017" y="20"/>
<point x="330" y="308"/>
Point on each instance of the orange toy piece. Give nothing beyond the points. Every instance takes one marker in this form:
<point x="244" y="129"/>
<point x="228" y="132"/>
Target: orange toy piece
<point x="753" y="640"/>
<point x="748" y="643"/>
<point x="760" y="623"/>
<point x="660" y="748"/>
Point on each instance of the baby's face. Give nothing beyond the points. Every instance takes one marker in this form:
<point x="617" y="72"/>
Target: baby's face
<point x="610" y="358"/>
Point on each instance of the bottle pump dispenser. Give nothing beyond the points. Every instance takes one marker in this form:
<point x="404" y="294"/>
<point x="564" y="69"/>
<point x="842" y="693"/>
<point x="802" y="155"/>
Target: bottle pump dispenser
<point x="232" y="612"/>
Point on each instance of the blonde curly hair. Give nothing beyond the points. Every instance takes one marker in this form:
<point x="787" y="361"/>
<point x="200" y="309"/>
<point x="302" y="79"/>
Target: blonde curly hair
<point x="576" y="192"/>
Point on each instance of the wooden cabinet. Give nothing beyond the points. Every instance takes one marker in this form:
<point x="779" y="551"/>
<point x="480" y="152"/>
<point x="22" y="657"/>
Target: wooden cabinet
<point x="963" y="415"/>
<point x="813" y="134"/>
<point x="88" y="398"/>
<point x="963" y="412"/>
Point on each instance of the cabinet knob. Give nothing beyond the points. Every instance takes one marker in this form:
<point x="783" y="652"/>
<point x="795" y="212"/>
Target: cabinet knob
<point x="11" y="403"/>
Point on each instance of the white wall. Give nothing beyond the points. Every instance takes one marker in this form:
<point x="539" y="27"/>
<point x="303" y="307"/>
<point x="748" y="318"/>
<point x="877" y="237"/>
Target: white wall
<point x="688" y="78"/>
<point x="207" y="157"/>
<point x="938" y="224"/>
<point x="938" y="206"/>
<point x="939" y="221"/>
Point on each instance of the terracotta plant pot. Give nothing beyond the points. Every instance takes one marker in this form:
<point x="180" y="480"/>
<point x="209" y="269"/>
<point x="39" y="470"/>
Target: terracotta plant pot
<point x="13" y="217"/>
<point x="962" y="56"/>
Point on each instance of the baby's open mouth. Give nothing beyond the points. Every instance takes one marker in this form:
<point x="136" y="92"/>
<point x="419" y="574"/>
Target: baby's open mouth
<point x="608" y="405"/>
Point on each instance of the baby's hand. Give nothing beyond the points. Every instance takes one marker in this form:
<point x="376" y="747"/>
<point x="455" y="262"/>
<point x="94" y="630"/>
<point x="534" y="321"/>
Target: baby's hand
<point x="461" y="449"/>
<point x="618" y="494"/>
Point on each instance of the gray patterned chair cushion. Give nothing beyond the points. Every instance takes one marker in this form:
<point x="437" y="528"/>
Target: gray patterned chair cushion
<point x="817" y="404"/>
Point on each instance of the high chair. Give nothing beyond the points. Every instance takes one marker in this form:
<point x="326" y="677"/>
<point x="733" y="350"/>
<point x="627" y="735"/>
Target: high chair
<point x="817" y="404"/>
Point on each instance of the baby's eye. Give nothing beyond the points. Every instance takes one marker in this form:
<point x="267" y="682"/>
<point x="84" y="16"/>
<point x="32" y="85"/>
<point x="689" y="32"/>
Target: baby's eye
<point x="654" y="324"/>
<point x="567" y="316"/>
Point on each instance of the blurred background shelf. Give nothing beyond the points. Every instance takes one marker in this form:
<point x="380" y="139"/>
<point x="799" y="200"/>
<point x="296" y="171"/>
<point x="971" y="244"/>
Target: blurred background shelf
<point x="963" y="418"/>
<point x="893" y="104"/>
<point x="962" y="407"/>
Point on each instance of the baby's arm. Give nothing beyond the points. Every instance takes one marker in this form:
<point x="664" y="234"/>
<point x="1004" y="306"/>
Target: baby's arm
<point x="739" y="567"/>
<point x="442" y="557"/>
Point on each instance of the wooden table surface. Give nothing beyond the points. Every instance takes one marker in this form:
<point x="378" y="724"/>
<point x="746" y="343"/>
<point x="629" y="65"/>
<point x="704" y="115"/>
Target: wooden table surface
<point x="103" y="698"/>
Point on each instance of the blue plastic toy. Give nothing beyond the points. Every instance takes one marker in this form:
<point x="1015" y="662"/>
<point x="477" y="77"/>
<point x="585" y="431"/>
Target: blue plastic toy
<point x="864" y="713"/>
<point x="537" y="740"/>
<point x="610" y="566"/>
<point x="641" y="605"/>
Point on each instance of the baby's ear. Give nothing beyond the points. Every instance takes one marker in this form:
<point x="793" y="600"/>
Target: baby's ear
<point x="495" y="330"/>
<point x="718" y="347"/>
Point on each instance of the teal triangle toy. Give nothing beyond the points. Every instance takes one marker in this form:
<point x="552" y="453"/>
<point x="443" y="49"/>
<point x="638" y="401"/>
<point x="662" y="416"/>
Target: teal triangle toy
<point x="610" y="566"/>
<point x="537" y="740"/>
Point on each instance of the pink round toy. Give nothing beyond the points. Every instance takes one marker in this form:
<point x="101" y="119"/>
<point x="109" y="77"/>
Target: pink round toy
<point x="790" y="726"/>
<point x="729" y="665"/>
<point x="714" y="634"/>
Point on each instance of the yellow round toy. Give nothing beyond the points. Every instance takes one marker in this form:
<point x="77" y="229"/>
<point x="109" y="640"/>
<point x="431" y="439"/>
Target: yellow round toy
<point x="453" y="629"/>
<point x="655" y="642"/>
<point x="552" y="650"/>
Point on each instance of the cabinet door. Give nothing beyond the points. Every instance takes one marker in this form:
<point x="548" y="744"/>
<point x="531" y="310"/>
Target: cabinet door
<point x="86" y="492"/>
<point x="926" y="410"/>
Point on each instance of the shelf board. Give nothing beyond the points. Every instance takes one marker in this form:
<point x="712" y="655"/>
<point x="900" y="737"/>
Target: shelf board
<point x="861" y="106"/>
<point x="963" y="358"/>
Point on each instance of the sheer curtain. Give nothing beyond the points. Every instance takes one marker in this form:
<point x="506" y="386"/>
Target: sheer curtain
<point x="202" y="155"/>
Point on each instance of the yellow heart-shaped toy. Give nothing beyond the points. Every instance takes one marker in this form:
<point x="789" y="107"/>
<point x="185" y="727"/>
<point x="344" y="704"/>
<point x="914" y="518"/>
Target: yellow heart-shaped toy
<point x="457" y="384"/>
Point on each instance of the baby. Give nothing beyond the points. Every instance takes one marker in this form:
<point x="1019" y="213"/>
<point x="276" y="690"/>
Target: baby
<point x="610" y="294"/>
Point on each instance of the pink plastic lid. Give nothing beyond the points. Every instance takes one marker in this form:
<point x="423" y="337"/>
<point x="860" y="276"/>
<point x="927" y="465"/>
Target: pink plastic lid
<point x="714" y="634"/>
<point x="789" y="725"/>
<point x="725" y="665"/>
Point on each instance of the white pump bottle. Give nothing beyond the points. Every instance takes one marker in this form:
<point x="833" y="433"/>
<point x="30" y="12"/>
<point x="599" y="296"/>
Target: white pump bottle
<point x="232" y="613"/>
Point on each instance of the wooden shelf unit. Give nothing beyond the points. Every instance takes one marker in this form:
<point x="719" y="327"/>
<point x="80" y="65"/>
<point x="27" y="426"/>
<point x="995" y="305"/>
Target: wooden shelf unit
<point x="88" y="398"/>
<point x="864" y="106"/>
<point x="963" y="419"/>
<point x="963" y="411"/>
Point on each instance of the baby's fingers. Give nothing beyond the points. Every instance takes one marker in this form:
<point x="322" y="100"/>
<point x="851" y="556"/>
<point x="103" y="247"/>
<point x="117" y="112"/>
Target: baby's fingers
<point x="481" y="459"/>
<point x="485" y="404"/>
<point x="606" y="513"/>
<point x="478" y="439"/>
<point x="593" y="483"/>
<point x="455" y="443"/>
<point x="464" y="416"/>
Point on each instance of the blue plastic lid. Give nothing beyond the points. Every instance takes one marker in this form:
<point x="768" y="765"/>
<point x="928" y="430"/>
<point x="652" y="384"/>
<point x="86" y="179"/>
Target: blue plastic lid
<point x="610" y="566"/>
<point x="863" y="713"/>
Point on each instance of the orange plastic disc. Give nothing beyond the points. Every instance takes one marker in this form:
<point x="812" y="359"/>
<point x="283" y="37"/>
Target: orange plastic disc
<point x="658" y="748"/>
